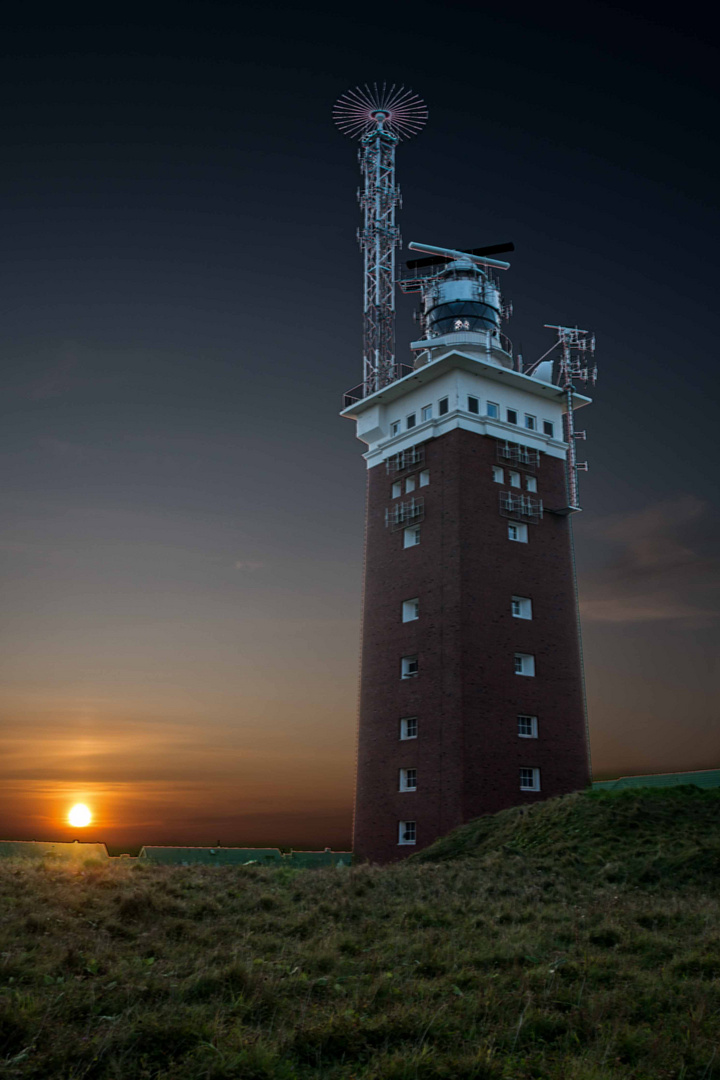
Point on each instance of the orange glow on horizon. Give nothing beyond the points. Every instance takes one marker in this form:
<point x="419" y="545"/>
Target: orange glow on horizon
<point x="79" y="816"/>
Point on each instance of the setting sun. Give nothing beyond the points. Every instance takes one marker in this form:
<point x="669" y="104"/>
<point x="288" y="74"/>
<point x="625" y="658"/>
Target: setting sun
<point x="79" y="816"/>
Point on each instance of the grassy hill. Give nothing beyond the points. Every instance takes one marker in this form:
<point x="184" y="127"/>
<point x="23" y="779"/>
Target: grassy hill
<point x="575" y="940"/>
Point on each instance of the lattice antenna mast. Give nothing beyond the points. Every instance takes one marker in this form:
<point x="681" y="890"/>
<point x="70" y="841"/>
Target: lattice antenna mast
<point x="380" y="118"/>
<point x="577" y="361"/>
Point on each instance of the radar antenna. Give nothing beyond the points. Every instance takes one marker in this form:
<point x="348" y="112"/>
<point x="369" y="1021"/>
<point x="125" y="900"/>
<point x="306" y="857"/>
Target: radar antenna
<point x="380" y="118"/>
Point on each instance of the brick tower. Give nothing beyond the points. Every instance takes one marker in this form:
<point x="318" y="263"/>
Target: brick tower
<point x="471" y="685"/>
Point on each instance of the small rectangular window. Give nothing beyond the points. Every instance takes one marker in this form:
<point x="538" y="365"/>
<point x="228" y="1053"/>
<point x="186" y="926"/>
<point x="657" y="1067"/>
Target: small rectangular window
<point x="424" y="478"/>
<point x="529" y="779"/>
<point x="411" y="536"/>
<point x="427" y="412"/>
<point x="410" y="610"/>
<point x="530" y="483"/>
<point x="397" y="489"/>
<point x="493" y="410"/>
<point x="410" y="420"/>
<point x="443" y="406"/>
<point x="511" y="416"/>
<point x="408" y="727"/>
<point x="408" y="667"/>
<point x="473" y="404"/>
<point x="530" y="422"/>
<point x="549" y="428"/>
<point x="517" y="531"/>
<point x="521" y="607"/>
<point x="406" y="832"/>
<point x="527" y="727"/>
<point x="409" y="484"/>
<point x="514" y="479"/>
<point x="408" y="780"/>
<point x="524" y="664"/>
<point x="498" y="474"/>
<point x="395" y="427"/>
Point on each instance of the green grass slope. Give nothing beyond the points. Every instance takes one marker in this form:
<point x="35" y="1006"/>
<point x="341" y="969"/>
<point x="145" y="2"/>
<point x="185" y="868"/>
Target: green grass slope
<point x="651" y="836"/>
<point x="579" y="940"/>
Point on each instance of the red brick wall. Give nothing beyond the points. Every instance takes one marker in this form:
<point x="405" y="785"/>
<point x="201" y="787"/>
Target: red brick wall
<point x="466" y="696"/>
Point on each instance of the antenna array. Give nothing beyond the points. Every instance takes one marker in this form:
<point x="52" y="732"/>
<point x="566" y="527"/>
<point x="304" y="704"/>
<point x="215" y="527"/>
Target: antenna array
<point x="380" y="118"/>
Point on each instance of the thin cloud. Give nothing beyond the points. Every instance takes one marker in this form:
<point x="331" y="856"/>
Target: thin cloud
<point x="664" y="567"/>
<point x="248" y="565"/>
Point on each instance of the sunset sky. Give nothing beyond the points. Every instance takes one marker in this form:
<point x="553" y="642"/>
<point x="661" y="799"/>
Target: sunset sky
<point x="182" y="506"/>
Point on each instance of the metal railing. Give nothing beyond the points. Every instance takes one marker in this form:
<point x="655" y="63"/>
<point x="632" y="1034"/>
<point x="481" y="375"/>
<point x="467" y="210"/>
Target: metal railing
<point x="521" y="507"/>
<point x="404" y="514"/>
<point x="405" y="459"/>
<point x="364" y="389"/>
<point x="512" y="454"/>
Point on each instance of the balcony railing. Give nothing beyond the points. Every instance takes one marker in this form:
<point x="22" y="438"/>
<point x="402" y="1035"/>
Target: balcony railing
<point x="406" y="459"/>
<point x="404" y="514"/>
<point x="377" y="382"/>
<point x="520" y="507"/>
<point x="512" y="454"/>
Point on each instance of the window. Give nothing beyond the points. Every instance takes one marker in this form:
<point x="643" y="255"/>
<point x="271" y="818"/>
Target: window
<point x="397" y="489"/>
<point x="443" y="406"/>
<point x="514" y="479"/>
<point x="529" y="779"/>
<point x="410" y="420"/>
<point x="530" y="422"/>
<point x="406" y="832"/>
<point x="408" y="727"/>
<point x="426" y="412"/>
<point x="511" y="416"/>
<point x="493" y="410"/>
<point x="410" y="610"/>
<point x="527" y="727"/>
<point x="549" y="428"/>
<point x="409" y="667"/>
<point x="473" y="404"/>
<point x="498" y="474"/>
<point x="411" y="536"/>
<point x="531" y="483"/>
<point x="524" y="664"/>
<point x="521" y="607"/>
<point x="409" y="484"/>
<point x="408" y="780"/>
<point x="424" y="478"/>
<point x="395" y="427"/>
<point x="517" y="532"/>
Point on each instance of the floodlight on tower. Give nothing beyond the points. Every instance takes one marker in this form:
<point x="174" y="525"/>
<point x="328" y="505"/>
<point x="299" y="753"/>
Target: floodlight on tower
<point x="380" y="118"/>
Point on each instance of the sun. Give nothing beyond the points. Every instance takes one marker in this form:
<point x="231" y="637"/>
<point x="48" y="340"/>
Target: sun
<point x="79" y="816"/>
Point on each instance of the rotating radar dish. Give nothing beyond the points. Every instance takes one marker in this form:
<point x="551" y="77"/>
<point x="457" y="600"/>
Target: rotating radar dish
<point x="366" y="109"/>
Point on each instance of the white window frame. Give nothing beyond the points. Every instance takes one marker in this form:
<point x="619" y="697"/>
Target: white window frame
<point x="405" y="729"/>
<point x="444" y="401"/>
<point x="476" y="410"/>
<point x="508" y="413"/>
<point x="530" y="422"/>
<point x="407" y="832"/>
<point x="426" y="412"/>
<point x="531" y="783"/>
<point x="395" y="427"/>
<point x="521" y="607"/>
<point x="525" y="664"/>
<point x="533" y="725"/>
<point x="498" y="474"/>
<point x="411" y="536"/>
<point x="493" y="410"/>
<point x="410" y="610"/>
<point x="518" y="532"/>
<point x="409" y="667"/>
<point x="405" y="778"/>
<point x="409" y="484"/>
<point x="410" y="420"/>
<point x="549" y="424"/>
<point x="397" y="489"/>
<point x="530" y="483"/>
<point x="424" y="478"/>
<point x="514" y="478"/>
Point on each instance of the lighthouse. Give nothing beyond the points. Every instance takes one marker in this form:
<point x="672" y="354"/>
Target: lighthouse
<point x="471" y="689"/>
<point x="472" y="694"/>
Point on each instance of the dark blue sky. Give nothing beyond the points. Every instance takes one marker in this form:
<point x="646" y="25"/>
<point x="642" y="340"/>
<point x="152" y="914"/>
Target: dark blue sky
<point x="182" y="311"/>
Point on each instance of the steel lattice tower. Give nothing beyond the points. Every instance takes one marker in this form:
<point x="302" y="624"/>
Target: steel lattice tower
<point x="380" y="119"/>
